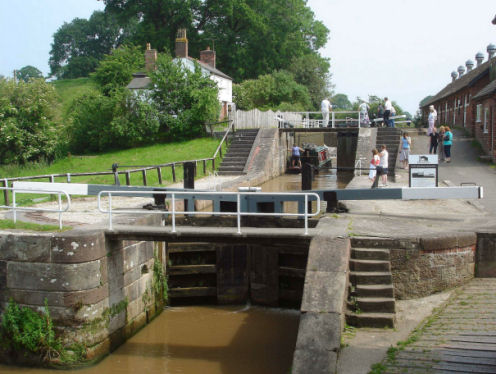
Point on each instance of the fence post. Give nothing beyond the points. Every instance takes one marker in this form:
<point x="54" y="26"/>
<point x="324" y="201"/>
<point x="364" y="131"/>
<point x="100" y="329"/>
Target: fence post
<point x="159" y="173"/>
<point x="204" y="167"/>
<point x="128" y="178"/>
<point x="332" y="117"/>
<point x="116" y="174"/>
<point x="6" y="192"/>
<point x="173" y="167"/>
<point x="189" y="181"/>
<point x="306" y="182"/>
<point x="144" y="177"/>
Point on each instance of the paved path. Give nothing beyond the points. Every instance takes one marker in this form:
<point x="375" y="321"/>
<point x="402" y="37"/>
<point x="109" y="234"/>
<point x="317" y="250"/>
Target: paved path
<point x="459" y="338"/>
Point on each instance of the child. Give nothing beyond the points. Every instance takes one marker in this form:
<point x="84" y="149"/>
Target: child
<point x="373" y="164"/>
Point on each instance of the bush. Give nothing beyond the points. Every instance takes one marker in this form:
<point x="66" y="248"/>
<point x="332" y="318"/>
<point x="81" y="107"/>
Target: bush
<point x="27" y="128"/>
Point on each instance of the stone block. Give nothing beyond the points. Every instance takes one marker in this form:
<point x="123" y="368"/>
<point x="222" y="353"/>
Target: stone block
<point x="53" y="277"/>
<point x="439" y="242"/>
<point x="130" y="257"/>
<point x="328" y="254"/>
<point x="324" y="292"/>
<point x="87" y="313"/>
<point x="78" y="247"/>
<point x="135" y="308"/>
<point x="86" y="297"/>
<point x="146" y="252"/>
<point x="25" y="247"/>
<point x="318" y="341"/>
<point x="132" y="291"/>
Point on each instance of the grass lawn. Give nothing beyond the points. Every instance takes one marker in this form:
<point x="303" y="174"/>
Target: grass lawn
<point x="68" y="90"/>
<point x="6" y="224"/>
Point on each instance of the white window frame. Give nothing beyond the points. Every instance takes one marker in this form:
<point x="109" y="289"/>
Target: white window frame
<point x="478" y="113"/>
<point x="486" y="119"/>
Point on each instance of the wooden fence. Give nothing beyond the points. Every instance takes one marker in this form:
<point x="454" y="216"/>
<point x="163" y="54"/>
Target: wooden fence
<point x="256" y="119"/>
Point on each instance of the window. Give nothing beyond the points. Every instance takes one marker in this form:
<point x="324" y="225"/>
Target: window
<point x="486" y="119"/>
<point x="478" y="113"/>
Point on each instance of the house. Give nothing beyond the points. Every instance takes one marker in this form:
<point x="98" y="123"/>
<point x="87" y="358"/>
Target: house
<point x="206" y="62"/>
<point x="469" y="101"/>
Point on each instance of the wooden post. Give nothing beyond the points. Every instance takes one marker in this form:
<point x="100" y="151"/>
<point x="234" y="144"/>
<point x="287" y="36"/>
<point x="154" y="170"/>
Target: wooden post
<point x="159" y="173"/>
<point x="128" y="178"/>
<point x="189" y="180"/>
<point x="116" y="174"/>
<point x="52" y="179"/>
<point x="196" y="168"/>
<point x="213" y="164"/>
<point x="5" y="183"/>
<point x="173" y="172"/>
<point x="306" y="181"/>
<point x="144" y="177"/>
<point x="204" y="167"/>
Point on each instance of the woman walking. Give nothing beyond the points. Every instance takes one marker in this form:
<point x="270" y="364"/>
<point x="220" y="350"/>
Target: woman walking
<point x="447" y="142"/>
<point x="406" y="142"/>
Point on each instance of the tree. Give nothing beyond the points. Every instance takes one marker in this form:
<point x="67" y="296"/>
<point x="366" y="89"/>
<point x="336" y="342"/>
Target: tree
<point x="251" y="37"/>
<point x="341" y="102"/>
<point x="28" y="72"/>
<point x="185" y="100"/>
<point x="28" y="131"/>
<point x="116" y="69"/>
<point x="78" y="46"/>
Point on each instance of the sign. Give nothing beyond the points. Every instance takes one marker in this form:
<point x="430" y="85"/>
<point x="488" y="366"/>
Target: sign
<point x="423" y="170"/>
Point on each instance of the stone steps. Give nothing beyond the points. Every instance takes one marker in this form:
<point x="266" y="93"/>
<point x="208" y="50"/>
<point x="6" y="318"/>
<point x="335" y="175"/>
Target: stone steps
<point x="371" y="302"/>
<point x="235" y="159"/>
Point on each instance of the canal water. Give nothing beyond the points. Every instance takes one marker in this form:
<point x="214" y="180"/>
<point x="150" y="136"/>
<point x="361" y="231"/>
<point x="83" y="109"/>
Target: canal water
<point x="211" y="339"/>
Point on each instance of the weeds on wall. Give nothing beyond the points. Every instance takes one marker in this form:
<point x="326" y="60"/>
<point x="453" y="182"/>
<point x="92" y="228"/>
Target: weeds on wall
<point x="159" y="284"/>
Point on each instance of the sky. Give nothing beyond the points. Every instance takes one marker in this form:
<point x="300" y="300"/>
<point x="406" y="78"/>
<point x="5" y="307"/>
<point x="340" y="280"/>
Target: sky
<point x="403" y="49"/>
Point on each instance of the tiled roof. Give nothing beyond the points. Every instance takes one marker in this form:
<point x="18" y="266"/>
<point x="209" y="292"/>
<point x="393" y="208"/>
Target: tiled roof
<point x="488" y="90"/>
<point x="465" y="80"/>
<point x="210" y="68"/>
<point x="140" y="81"/>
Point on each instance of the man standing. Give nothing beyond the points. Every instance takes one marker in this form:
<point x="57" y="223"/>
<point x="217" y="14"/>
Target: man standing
<point x="387" y="110"/>
<point x="325" y="107"/>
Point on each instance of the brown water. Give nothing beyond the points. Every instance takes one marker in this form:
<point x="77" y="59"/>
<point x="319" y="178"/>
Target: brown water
<point x="326" y="179"/>
<point x="206" y="340"/>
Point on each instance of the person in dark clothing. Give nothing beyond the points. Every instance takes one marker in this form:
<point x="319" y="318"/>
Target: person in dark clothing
<point x="434" y="135"/>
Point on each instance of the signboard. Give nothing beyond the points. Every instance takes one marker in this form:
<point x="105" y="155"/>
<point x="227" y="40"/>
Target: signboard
<point x="423" y="170"/>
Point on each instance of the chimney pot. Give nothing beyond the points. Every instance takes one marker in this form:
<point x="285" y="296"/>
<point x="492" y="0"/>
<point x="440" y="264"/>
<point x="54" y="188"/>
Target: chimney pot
<point x="461" y="70"/>
<point x="469" y="64"/>
<point x="150" y="58"/>
<point x="208" y="57"/>
<point x="181" y="43"/>
<point x="479" y="57"/>
<point x="454" y="75"/>
<point x="491" y="50"/>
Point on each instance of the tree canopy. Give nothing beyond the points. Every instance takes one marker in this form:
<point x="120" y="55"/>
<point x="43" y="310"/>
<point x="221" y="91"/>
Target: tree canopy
<point x="28" y="72"/>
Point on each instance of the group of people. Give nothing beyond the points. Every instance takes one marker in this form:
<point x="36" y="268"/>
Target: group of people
<point x="379" y="166"/>
<point x="440" y="140"/>
<point x="385" y="113"/>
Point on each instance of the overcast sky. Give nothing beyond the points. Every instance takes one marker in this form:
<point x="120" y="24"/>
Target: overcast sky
<point x="404" y="49"/>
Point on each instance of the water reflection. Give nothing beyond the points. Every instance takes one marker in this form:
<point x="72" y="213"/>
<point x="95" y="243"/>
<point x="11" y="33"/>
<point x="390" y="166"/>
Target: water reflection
<point x="206" y="340"/>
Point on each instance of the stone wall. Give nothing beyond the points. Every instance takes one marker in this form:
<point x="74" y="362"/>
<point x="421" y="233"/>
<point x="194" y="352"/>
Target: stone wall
<point x="99" y="292"/>
<point x="423" y="266"/>
<point x="365" y="143"/>
<point x="485" y="259"/>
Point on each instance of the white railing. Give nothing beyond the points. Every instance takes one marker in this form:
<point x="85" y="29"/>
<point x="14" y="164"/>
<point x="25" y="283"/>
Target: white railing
<point x="14" y="208"/>
<point x="358" y="165"/>
<point x="175" y="196"/>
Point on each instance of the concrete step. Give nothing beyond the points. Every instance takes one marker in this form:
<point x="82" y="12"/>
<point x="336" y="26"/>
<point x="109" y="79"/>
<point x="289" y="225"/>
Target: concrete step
<point x="191" y="269"/>
<point x="192" y="292"/>
<point x="376" y="304"/>
<point x="370" y="254"/>
<point x="230" y="173"/>
<point x="231" y="168"/>
<point x="240" y="164"/>
<point x="379" y="320"/>
<point x="369" y="265"/>
<point x="370" y="277"/>
<point x="374" y="290"/>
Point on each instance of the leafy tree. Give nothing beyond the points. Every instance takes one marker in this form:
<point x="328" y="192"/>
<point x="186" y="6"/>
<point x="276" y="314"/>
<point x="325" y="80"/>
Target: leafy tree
<point x="79" y="45"/>
<point x="185" y="99"/>
<point x="251" y="37"/>
<point x="28" y="72"/>
<point x="341" y="102"/>
<point x="27" y="128"/>
<point x="116" y="69"/>
<point x="272" y="91"/>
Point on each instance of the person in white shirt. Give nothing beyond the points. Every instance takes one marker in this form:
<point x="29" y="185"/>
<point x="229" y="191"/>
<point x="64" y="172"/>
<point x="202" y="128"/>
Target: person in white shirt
<point x="364" y="114"/>
<point x="387" y="110"/>
<point x="325" y="107"/>
<point x="384" y="155"/>
<point x="431" y="119"/>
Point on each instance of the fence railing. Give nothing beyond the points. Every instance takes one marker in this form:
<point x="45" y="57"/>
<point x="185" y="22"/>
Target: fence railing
<point x="173" y="197"/>
<point x="14" y="208"/>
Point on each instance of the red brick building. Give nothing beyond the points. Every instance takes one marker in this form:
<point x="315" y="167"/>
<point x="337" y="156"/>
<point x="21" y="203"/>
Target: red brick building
<point x="469" y="101"/>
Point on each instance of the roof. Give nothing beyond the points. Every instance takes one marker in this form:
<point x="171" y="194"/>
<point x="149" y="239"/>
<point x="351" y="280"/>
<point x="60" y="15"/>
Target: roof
<point x="140" y="81"/>
<point x="486" y="91"/>
<point x="465" y="80"/>
<point x="205" y="66"/>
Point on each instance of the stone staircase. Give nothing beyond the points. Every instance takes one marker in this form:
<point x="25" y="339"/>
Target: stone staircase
<point x="235" y="159"/>
<point x="371" y="298"/>
<point x="391" y="137"/>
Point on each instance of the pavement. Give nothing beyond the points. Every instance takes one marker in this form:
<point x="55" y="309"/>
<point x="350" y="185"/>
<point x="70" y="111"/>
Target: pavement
<point x="439" y="325"/>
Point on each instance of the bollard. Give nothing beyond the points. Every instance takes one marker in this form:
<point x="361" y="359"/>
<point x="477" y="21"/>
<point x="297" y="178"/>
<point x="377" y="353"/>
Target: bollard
<point x="332" y="201"/>
<point x="306" y="181"/>
<point x="116" y="174"/>
<point x="189" y="180"/>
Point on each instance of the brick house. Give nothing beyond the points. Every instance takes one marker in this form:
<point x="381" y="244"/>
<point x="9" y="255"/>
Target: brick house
<point x="469" y="101"/>
<point x="141" y="81"/>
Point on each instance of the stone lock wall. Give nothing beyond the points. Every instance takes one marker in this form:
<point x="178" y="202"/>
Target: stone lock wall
<point x="99" y="292"/>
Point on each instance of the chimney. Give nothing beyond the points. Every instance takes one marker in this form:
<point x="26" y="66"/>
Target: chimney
<point x="454" y="75"/>
<point x="461" y="70"/>
<point x="491" y="50"/>
<point x="181" y="43"/>
<point x="479" y="57"/>
<point x="150" y="58"/>
<point x="469" y="64"/>
<point x="208" y="57"/>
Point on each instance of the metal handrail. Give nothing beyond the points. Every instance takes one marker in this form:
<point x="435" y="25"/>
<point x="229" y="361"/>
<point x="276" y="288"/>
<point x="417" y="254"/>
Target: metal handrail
<point x="16" y="208"/>
<point x="223" y="139"/>
<point x="173" y="196"/>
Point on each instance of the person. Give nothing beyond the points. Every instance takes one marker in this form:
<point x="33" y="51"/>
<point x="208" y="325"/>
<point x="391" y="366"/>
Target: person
<point x="406" y="142"/>
<point x="383" y="164"/>
<point x="325" y="107"/>
<point x="364" y="114"/>
<point x="391" y="119"/>
<point x="447" y="142"/>
<point x="296" y="156"/>
<point x="373" y="164"/>
<point x="380" y="114"/>
<point x="387" y="110"/>
<point x="441" y="143"/>
<point x="431" y="119"/>
<point x="434" y="141"/>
